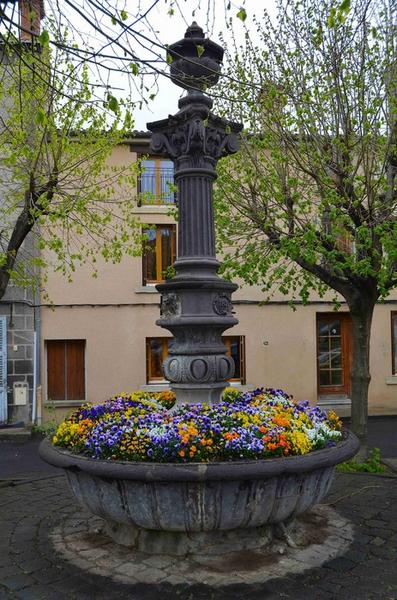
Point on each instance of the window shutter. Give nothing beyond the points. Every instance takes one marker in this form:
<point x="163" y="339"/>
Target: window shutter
<point x="3" y="369"/>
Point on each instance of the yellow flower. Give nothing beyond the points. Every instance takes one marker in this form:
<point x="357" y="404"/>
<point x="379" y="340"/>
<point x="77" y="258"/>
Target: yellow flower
<point x="299" y="441"/>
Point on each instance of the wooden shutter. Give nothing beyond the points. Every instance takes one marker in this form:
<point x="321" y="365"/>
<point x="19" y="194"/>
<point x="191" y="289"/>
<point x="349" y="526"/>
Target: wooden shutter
<point x="3" y="369"/>
<point x="56" y="376"/>
<point x="66" y="369"/>
<point x="75" y="370"/>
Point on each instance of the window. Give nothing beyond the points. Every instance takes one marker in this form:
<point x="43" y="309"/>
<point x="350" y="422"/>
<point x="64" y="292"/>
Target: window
<point x="394" y="341"/>
<point x="65" y="369"/>
<point x="158" y="252"/>
<point x="157" y="351"/>
<point x="235" y="345"/>
<point x="333" y="353"/>
<point x="155" y="180"/>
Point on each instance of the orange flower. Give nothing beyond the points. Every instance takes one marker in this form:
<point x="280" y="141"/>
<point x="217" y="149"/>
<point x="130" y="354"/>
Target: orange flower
<point x="281" y="421"/>
<point x="229" y="435"/>
<point x="263" y="429"/>
<point x="181" y="453"/>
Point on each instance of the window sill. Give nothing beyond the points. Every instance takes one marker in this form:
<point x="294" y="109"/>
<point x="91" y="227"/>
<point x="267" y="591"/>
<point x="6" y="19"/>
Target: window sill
<point x="155" y="387"/>
<point x="146" y="289"/>
<point x="333" y="399"/>
<point x="160" y="209"/>
<point x="391" y="380"/>
<point x="63" y="403"/>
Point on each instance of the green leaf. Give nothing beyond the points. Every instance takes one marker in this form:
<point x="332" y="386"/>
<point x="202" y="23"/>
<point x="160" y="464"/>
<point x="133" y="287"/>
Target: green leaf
<point x="134" y="69"/>
<point x="114" y="21"/>
<point x="200" y="50"/>
<point x="344" y="6"/>
<point x="242" y="14"/>
<point x="44" y="38"/>
<point x="171" y="12"/>
<point x="40" y="117"/>
<point x="169" y="59"/>
<point x="124" y="15"/>
<point x="113" y="103"/>
<point x="331" y="18"/>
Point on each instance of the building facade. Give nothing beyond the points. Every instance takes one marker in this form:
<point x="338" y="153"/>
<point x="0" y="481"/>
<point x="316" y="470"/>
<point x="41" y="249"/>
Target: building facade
<point x="19" y="307"/>
<point x="99" y="337"/>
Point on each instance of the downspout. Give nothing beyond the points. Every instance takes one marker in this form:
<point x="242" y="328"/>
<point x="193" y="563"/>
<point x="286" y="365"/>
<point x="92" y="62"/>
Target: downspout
<point x="36" y="410"/>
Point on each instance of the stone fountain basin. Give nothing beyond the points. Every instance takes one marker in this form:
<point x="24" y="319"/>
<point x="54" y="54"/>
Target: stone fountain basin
<point x="201" y="497"/>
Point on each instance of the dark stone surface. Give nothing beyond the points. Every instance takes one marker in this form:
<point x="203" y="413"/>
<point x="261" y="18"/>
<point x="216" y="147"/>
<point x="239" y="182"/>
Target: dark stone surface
<point x="31" y="570"/>
<point x="196" y="303"/>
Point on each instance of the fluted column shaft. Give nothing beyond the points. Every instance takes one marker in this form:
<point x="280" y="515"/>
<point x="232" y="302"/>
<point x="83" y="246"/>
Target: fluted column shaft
<point x="196" y="233"/>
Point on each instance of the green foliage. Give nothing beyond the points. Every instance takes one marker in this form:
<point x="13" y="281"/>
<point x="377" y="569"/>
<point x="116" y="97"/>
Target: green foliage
<point x="371" y="465"/>
<point x="309" y="203"/>
<point x="57" y="177"/>
<point x="231" y="394"/>
<point x="48" y="428"/>
<point x="169" y="272"/>
<point x="242" y="14"/>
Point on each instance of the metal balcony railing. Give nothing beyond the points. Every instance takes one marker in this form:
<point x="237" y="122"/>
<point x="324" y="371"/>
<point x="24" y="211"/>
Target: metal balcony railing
<point x="154" y="186"/>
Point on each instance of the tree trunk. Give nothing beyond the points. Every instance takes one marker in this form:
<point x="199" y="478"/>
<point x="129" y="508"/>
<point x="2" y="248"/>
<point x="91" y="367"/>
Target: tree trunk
<point x="360" y="372"/>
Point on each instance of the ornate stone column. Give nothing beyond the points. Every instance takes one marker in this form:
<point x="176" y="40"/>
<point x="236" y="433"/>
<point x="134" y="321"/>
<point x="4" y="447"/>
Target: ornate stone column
<point x="196" y="304"/>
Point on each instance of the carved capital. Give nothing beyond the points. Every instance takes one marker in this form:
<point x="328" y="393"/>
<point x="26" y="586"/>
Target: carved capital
<point x="195" y="133"/>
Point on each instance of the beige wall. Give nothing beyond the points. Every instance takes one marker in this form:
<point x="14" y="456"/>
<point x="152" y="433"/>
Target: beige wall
<point x="280" y="348"/>
<point x="115" y="313"/>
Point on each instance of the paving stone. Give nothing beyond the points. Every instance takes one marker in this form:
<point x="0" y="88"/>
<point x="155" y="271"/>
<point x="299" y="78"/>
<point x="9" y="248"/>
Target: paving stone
<point x="368" y="569"/>
<point x="9" y="571"/>
<point x="33" y="593"/>
<point x="46" y="576"/>
<point x="16" y="582"/>
<point x="340" y="564"/>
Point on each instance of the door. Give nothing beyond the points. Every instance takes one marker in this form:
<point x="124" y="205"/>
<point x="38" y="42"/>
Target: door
<point x="333" y="353"/>
<point x="3" y="369"/>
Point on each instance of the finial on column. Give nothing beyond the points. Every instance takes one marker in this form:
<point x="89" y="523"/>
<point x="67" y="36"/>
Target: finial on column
<point x="196" y="60"/>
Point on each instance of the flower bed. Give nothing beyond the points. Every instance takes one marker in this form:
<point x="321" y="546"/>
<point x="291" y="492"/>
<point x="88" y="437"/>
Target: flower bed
<point x="250" y="425"/>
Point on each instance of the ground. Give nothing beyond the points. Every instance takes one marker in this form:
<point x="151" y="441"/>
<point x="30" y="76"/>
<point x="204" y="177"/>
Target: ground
<point x="34" y="506"/>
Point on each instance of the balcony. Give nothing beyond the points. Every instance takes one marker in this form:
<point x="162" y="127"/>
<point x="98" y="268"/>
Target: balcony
<point x="155" y="185"/>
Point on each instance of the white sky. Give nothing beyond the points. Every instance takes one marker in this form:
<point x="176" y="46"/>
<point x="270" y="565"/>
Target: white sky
<point x="172" y="28"/>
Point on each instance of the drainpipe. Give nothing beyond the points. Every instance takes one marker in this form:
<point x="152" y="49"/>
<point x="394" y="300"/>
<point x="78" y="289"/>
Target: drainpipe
<point x="36" y="410"/>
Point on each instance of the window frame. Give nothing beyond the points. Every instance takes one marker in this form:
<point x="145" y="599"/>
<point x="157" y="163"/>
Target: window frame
<point x="227" y="340"/>
<point x="164" y="341"/>
<point x="65" y="342"/>
<point x="393" y="316"/>
<point x="158" y="252"/>
<point x="158" y="196"/>
<point x="346" y="351"/>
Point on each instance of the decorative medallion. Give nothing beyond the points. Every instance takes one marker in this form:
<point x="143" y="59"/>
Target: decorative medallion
<point x="222" y="305"/>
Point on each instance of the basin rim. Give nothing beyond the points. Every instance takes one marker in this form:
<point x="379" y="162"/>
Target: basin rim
<point x="210" y="471"/>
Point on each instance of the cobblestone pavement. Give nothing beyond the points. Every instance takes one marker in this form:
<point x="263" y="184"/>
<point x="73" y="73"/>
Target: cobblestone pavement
<point x="30" y="569"/>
